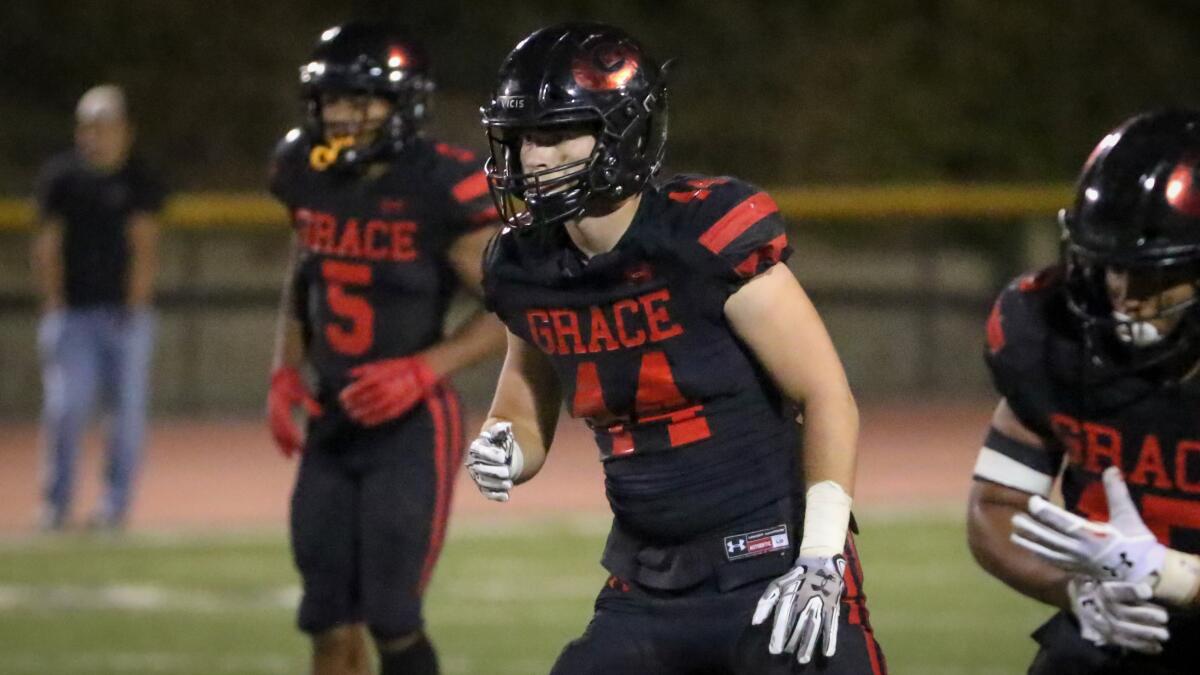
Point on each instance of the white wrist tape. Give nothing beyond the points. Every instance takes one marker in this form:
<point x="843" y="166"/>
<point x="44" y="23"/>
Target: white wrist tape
<point x="1179" y="579"/>
<point x="518" y="460"/>
<point x="826" y="518"/>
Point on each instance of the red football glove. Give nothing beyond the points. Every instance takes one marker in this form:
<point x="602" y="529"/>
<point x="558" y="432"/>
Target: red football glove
<point x="288" y="391"/>
<point x="384" y="390"/>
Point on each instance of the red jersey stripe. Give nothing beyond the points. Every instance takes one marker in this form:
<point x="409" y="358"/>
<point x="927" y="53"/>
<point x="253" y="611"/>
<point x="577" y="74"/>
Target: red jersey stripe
<point x="769" y="253"/>
<point x="470" y="187"/>
<point x="488" y="215"/>
<point x="437" y="411"/>
<point x="739" y="219"/>
<point x="856" y="599"/>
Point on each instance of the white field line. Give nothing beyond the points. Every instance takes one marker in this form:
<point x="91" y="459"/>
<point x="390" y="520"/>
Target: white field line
<point x="146" y="662"/>
<point x="170" y="662"/>
<point x="523" y="527"/>
<point x="466" y="603"/>
<point x="49" y="598"/>
<point x="467" y="528"/>
<point x="140" y="598"/>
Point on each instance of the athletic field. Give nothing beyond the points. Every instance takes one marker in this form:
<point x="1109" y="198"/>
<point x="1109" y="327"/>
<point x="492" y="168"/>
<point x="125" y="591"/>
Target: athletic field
<point x="504" y="601"/>
<point x="203" y="582"/>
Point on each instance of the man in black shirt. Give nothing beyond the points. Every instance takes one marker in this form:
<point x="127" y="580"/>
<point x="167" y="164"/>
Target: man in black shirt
<point x="95" y="257"/>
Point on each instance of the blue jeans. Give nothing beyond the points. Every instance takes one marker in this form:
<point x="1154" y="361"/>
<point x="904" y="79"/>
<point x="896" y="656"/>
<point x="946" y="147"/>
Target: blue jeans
<point x="106" y="349"/>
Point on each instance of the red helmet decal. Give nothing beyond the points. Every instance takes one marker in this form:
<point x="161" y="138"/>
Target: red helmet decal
<point x="397" y="57"/>
<point x="605" y="67"/>
<point x="1182" y="192"/>
<point x="995" y="329"/>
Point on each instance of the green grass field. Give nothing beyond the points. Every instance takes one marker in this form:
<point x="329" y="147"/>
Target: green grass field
<point x="504" y="601"/>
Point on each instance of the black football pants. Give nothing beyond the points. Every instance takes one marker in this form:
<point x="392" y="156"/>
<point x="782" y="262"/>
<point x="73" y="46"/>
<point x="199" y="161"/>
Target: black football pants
<point x="705" y="632"/>
<point x="1064" y="652"/>
<point x="368" y="517"/>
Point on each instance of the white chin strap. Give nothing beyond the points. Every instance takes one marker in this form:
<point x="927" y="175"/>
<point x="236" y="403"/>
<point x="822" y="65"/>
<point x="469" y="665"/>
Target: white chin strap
<point x="1137" y="333"/>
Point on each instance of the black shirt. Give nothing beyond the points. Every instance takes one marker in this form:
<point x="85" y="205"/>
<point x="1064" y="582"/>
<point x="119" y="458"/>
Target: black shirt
<point x="94" y="209"/>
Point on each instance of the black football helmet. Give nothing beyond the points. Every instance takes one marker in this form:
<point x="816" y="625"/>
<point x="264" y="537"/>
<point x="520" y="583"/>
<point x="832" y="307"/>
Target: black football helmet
<point x="368" y="58"/>
<point x="1137" y="210"/>
<point x="573" y="74"/>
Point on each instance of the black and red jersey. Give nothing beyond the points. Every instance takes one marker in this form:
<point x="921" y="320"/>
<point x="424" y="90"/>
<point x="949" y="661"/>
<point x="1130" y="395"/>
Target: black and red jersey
<point x="1090" y="418"/>
<point x="374" y="281"/>
<point x="693" y="434"/>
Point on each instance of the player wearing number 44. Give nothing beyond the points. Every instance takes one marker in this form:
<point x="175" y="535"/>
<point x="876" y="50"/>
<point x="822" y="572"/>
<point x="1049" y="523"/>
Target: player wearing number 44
<point x="387" y="223"/>
<point x="666" y="318"/>
<point x="1097" y="360"/>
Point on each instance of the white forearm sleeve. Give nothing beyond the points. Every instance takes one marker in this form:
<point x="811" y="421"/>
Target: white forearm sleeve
<point x="826" y="518"/>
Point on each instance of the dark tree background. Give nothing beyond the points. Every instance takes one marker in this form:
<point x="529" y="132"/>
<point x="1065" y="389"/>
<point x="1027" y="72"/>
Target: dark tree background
<point x="778" y="92"/>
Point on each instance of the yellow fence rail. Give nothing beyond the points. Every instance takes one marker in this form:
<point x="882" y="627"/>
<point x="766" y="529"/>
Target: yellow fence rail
<point x="246" y="211"/>
<point x="251" y="212"/>
<point x="934" y="200"/>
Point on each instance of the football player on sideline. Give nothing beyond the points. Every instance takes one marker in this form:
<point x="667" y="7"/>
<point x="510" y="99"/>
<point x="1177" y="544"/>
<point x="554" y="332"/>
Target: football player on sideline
<point x="387" y="224"/>
<point x="666" y="319"/>
<point x="1096" y="360"/>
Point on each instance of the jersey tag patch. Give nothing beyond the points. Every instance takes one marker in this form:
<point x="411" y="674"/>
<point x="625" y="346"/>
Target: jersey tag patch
<point x="759" y="542"/>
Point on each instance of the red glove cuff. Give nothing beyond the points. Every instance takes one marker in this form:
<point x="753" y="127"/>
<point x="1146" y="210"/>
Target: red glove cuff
<point x="421" y="371"/>
<point x="289" y="378"/>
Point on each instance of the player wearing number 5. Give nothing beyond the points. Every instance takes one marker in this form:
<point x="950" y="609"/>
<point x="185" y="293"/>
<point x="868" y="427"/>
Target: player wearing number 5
<point x="387" y="225"/>
<point x="1096" y="359"/>
<point x="666" y="319"/>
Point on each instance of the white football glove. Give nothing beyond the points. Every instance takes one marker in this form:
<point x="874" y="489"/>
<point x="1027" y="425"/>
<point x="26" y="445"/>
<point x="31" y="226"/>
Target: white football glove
<point x="807" y="602"/>
<point x="1123" y="549"/>
<point x="494" y="461"/>
<point x="1117" y="613"/>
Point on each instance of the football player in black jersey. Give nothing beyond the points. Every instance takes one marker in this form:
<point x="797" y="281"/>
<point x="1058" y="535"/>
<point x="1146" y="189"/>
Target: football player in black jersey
<point x="1096" y="360"/>
<point x="387" y="224"/>
<point x="664" y="316"/>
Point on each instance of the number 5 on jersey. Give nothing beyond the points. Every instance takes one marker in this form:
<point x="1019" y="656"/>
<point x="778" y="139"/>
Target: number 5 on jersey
<point x="354" y="334"/>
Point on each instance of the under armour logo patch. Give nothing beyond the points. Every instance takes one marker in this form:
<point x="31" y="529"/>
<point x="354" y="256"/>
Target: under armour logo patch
<point x="825" y="578"/>
<point x="761" y="542"/>
<point x="1124" y="562"/>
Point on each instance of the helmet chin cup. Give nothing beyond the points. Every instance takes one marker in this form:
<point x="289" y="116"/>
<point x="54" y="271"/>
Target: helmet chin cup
<point x="1137" y="207"/>
<point x="325" y="155"/>
<point x="373" y="59"/>
<point x="1138" y="334"/>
